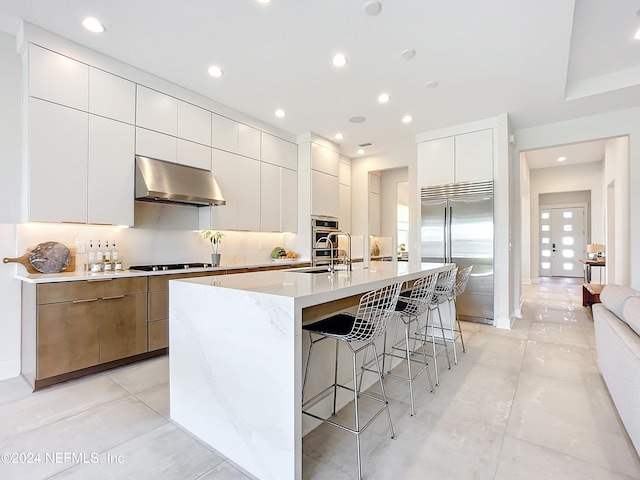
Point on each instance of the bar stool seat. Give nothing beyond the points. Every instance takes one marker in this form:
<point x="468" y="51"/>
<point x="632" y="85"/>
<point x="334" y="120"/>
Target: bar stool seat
<point x="358" y="332"/>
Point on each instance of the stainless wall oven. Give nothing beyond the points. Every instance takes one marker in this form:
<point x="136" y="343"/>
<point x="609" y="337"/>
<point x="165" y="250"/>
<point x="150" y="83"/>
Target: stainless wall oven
<point x="320" y="248"/>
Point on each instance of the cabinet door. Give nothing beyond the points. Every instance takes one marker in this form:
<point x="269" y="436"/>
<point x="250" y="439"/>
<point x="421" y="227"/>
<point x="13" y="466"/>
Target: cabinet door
<point x="57" y="163"/>
<point x="345" y="208"/>
<point x="324" y="194"/>
<point x="111" y="96"/>
<point x="194" y="123"/>
<point x="344" y="175"/>
<point x="279" y="152"/>
<point x="248" y="141"/>
<point x="58" y="79"/>
<point x="156" y="111"/>
<point x="156" y="145"/>
<point x="436" y="162"/>
<point x="224" y="166"/>
<point x="248" y="194"/>
<point x="68" y="337"/>
<point x="193" y="154"/>
<point x="123" y="326"/>
<point x="269" y="197"/>
<point x="325" y="160"/>
<point x="110" y="172"/>
<point x="474" y="156"/>
<point x="288" y="200"/>
<point x="224" y="133"/>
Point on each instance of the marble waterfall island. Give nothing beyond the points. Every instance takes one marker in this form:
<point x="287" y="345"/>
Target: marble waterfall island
<point x="236" y="359"/>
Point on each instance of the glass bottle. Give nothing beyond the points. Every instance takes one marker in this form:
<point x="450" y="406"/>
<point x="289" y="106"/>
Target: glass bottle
<point x="99" y="253"/>
<point x="107" y="252"/>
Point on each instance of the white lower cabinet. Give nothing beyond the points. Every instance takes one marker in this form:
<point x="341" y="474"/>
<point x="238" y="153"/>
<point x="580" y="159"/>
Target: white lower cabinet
<point x="110" y="176"/>
<point x="57" y="179"/>
<point x="324" y="194"/>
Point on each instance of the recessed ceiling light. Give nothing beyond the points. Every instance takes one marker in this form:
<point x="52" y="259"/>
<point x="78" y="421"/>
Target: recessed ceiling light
<point x="215" y="71"/>
<point x="263" y="1"/>
<point x="93" y="25"/>
<point x="562" y="159"/>
<point x="408" y="53"/>
<point x="339" y="136"/>
<point x="407" y="119"/>
<point x="431" y="84"/>
<point x="339" y="60"/>
<point x="383" y="98"/>
<point x="637" y="37"/>
<point x="360" y="151"/>
<point x="358" y="119"/>
<point x="280" y="113"/>
<point x="372" y="8"/>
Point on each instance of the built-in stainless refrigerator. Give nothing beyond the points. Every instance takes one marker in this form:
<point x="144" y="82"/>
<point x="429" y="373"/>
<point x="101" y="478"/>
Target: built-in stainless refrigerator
<point x="457" y="226"/>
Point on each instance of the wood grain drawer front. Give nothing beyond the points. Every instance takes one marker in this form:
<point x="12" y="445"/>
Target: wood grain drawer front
<point x="89" y="289"/>
<point x="158" y="305"/>
<point x="158" y="335"/>
<point x="123" y="326"/>
<point x="68" y="337"/>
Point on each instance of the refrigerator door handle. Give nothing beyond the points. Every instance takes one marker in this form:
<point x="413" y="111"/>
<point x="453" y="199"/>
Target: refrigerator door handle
<point x="445" y="239"/>
<point x="449" y="237"/>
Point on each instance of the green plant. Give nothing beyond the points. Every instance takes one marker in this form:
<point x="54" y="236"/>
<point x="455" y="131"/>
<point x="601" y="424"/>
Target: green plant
<point x="214" y="237"/>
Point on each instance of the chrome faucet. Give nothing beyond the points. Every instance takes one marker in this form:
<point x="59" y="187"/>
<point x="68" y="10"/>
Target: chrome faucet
<point x="348" y="235"/>
<point x="328" y="240"/>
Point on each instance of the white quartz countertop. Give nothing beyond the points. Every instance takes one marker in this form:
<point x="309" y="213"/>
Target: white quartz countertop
<point x="81" y="275"/>
<point x="314" y="288"/>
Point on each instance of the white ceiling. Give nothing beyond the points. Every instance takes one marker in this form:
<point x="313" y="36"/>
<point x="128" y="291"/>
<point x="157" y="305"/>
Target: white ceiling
<point x="578" y="153"/>
<point x="522" y="57"/>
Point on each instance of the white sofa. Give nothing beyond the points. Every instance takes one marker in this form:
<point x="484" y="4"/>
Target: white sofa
<point x="617" y="330"/>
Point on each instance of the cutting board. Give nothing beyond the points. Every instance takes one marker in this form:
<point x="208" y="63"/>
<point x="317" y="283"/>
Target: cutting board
<point x="45" y="264"/>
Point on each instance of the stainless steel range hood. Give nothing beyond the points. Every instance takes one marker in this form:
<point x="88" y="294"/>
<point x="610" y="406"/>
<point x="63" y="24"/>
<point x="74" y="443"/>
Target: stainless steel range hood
<point x="166" y="182"/>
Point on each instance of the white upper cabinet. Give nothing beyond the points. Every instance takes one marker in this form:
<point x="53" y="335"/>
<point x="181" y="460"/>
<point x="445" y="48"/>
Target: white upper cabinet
<point x="156" y="145"/>
<point x="324" y="160"/>
<point x="58" y="79"/>
<point x="110" y="176"/>
<point x="156" y="111"/>
<point x="224" y="133"/>
<point x="436" y="162"/>
<point x="248" y="141"/>
<point x="224" y="166"/>
<point x="324" y="194"/>
<point x="269" y="197"/>
<point x="461" y="158"/>
<point x="57" y="181"/>
<point x="288" y="200"/>
<point x="474" y="156"/>
<point x="279" y="152"/>
<point x="248" y="194"/>
<point x="344" y="175"/>
<point x="111" y="96"/>
<point x="193" y="154"/>
<point x="194" y="123"/>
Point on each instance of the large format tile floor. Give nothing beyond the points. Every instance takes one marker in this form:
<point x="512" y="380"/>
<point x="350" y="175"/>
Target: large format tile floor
<point x="527" y="403"/>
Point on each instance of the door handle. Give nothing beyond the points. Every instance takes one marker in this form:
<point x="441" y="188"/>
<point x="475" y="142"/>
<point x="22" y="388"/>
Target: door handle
<point x="113" y="297"/>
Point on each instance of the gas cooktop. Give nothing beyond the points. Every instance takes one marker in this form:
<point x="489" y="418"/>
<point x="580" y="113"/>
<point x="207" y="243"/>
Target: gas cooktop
<point x="171" y="266"/>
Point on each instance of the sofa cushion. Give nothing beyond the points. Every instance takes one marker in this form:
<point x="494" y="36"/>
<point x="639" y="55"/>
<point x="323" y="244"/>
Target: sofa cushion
<point x="631" y="313"/>
<point x="615" y="296"/>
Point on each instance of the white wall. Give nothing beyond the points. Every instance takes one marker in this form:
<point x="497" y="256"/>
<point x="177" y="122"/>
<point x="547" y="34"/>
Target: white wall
<point x="10" y="148"/>
<point x="616" y="174"/>
<point x="569" y="178"/>
<point x="606" y="125"/>
<point x="360" y="168"/>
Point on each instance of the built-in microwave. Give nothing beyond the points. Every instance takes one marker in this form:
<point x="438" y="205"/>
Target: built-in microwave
<point x="321" y="247"/>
